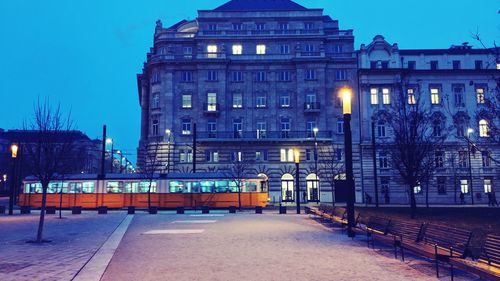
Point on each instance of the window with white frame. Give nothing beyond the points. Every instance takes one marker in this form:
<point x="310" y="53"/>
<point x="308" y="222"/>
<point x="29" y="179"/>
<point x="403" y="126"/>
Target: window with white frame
<point x="237" y="100"/>
<point x="411" y="96"/>
<point x="237" y="26"/>
<point x="284" y="75"/>
<point x="341" y="74"/>
<point x="386" y="96"/>
<point x="487" y="185"/>
<point x="236" y="156"/>
<point x="186" y="126"/>
<point x="464" y="186"/>
<point x="261" y="129"/>
<point x="310" y="74"/>
<point x="186" y="101"/>
<point x="340" y="126"/>
<point x="237" y="49"/>
<point x="211" y="102"/>
<point x="285" y="127"/>
<point x="484" y="130"/>
<point x="212" y="75"/>
<point x="381" y="129"/>
<point x="187" y="76"/>
<point x="309" y="48"/>
<point x="435" y="96"/>
<point x="285" y="100"/>
<point x="458" y="93"/>
<point x="155" y="103"/>
<point x="185" y="155"/>
<point x="237" y="76"/>
<point x="383" y="160"/>
<point x="261" y="155"/>
<point x="238" y="128"/>
<point x="284" y="49"/>
<point x="374" y="95"/>
<point x="286" y="155"/>
<point x="480" y="95"/>
<point x="212" y="51"/>
<point x="156" y="78"/>
<point x="260" y="76"/>
<point x="212" y="156"/>
<point x="260" y="49"/>
<point x="155" y="127"/>
<point x="261" y="101"/>
<point x="212" y="128"/>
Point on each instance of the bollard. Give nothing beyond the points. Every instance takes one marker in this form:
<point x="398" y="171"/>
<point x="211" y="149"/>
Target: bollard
<point x="153" y="210"/>
<point x="50" y="210"/>
<point x="232" y="209"/>
<point x="282" y="210"/>
<point x="205" y="209"/>
<point x="102" y="210"/>
<point x="131" y="210"/>
<point x="76" y="210"/>
<point x="258" y="209"/>
<point x="180" y="210"/>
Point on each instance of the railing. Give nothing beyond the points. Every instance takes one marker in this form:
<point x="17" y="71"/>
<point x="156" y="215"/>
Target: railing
<point x="263" y="135"/>
<point x="312" y="54"/>
<point x="262" y="32"/>
<point x="211" y="56"/>
<point x="312" y="106"/>
<point x="211" y="108"/>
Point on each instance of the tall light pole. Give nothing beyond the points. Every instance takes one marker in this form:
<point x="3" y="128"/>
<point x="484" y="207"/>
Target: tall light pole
<point x="13" y="149"/>
<point x="296" y="153"/>
<point x="470" y="131"/>
<point x="315" y="132"/>
<point x="110" y="142"/>
<point x="119" y="152"/>
<point x="346" y="94"/>
<point x="168" y="132"/>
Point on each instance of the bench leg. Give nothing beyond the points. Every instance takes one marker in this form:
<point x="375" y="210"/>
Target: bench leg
<point x="437" y="261"/>
<point x="402" y="253"/>
<point x="452" y="273"/>
<point x="395" y="250"/>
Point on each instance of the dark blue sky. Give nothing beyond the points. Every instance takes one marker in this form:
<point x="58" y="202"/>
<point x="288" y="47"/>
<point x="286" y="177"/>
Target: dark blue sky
<point x="85" y="54"/>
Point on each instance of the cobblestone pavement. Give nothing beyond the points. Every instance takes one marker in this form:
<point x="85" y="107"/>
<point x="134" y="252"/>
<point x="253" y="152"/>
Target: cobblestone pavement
<point x="75" y="238"/>
<point x="253" y="247"/>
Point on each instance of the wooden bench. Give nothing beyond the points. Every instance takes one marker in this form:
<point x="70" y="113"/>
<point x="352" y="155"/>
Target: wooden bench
<point x="486" y="264"/>
<point x="439" y="243"/>
<point x="339" y="215"/>
<point x="405" y="230"/>
<point x="375" y="228"/>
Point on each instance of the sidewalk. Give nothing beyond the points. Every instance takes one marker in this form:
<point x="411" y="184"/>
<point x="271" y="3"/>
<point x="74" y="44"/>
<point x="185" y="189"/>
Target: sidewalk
<point x="74" y="240"/>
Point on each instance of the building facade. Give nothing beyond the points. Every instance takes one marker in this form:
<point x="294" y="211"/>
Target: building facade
<point x="244" y="85"/>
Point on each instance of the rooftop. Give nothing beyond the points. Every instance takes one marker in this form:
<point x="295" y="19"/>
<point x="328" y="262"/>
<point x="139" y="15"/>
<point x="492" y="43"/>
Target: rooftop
<point x="260" y="5"/>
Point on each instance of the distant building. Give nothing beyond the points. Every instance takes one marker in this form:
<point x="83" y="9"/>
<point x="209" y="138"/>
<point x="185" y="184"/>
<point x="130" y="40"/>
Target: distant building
<point x="88" y="162"/>
<point x="455" y="83"/>
<point x="256" y="77"/>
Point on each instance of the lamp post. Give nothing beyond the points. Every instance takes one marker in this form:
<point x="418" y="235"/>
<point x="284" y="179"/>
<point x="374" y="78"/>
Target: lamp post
<point x="110" y="142"/>
<point x="315" y="132"/>
<point x="168" y="132"/>
<point x="470" y="131"/>
<point x="296" y="154"/>
<point x="13" y="149"/>
<point x="119" y="152"/>
<point x="346" y="94"/>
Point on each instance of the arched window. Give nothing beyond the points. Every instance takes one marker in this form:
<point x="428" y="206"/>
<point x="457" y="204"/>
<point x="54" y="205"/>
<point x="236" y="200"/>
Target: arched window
<point x="312" y="183"/>
<point x="287" y="194"/>
<point x="484" y="131"/>
<point x="264" y="182"/>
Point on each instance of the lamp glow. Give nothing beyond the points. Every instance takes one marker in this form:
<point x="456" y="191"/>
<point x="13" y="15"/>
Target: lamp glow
<point x="470" y="131"/>
<point x="14" y="148"/>
<point x="109" y="140"/>
<point x="346" y="95"/>
<point x="168" y="132"/>
<point x="296" y="154"/>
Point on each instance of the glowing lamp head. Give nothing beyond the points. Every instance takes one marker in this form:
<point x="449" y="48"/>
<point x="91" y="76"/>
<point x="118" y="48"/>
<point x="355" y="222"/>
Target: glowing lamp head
<point x="470" y="131"/>
<point x="315" y="130"/>
<point x="13" y="149"/>
<point x="346" y="96"/>
<point x="109" y="140"/>
<point x="296" y="154"/>
<point x="168" y="132"/>
<point x="5" y="177"/>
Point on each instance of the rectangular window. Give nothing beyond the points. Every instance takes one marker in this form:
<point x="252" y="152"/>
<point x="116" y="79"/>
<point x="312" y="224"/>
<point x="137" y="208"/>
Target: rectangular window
<point x="186" y="126"/>
<point x="188" y="51"/>
<point x="186" y="101"/>
<point x="386" y="96"/>
<point x="478" y="64"/>
<point x="237" y="49"/>
<point x="187" y="76"/>
<point x="434" y="65"/>
<point x="261" y="101"/>
<point x="186" y="156"/>
<point x="486" y="159"/>
<point x="260" y="49"/>
<point x="283" y="26"/>
<point x="285" y="49"/>
<point x="284" y="75"/>
<point x="337" y="49"/>
<point x="155" y="128"/>
<point x="338" y="154"/>
<point x="212" y="51"/>
<point x="238" y="128"/>
<point x="411" y="96"/>
<point x="464" y="186"/>
<point x="412" y="64"/>
<point x="212" y="128"/>
<point x="435" y="96"/>
<point x="260" y="26"/>
<point x="439" y="159"/>
<point x="374" y="95"/>
<point x="487" y="185"/>
<point x="340" y="126"/>
<point x="456" y="64"/>
<point x="462" y="159"/>
<point x="341" y="74"/>
<point x="260" y="76"/>
<point x="237" y="100"/>
<point x="155" y="103"/>
<point x="308" y="48"/>
<point x="212" y="75"/>
<point x="285" y="101"/>
<point x="261" y="130"/>
<point x="480" y="95"/>
<point x="458" y="93"/>
<point x="261" y="155"/>
<point x="310" y="126"/>
<point x="441" y="185"/>
<point x="114" y="187"/>
<point x="381" y="129"/>
<point x="286" y="155"/>
<point x="236" y="156"/>
<point x="310" y="74"/>
<point x="309" y="154"/>
<point x="285" y="128"/>
<point x="156" y="77"/>
<point x="237" y="76"/>
<point x="211" y="102"/>
<point x="237" y="26"/>
<point x="212" y="156"/>
<point x="212" y="27"/>
<point x="383" y="161"/>
<point x="308" y="25"/>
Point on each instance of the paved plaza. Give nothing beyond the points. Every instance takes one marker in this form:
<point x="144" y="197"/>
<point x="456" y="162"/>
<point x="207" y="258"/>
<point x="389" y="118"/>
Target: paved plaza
<point x="218" y="246"/>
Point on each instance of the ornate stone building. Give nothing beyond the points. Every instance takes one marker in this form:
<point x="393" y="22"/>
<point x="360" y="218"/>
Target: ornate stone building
<point x="255" y="78"/>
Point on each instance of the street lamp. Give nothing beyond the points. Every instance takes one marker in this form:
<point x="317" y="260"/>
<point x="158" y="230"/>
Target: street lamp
<point x="346" y="95"/>
<point x="110" y="142"/>
<point x="14" y="148"/>
<point x="296" y="153"/>
<point x="119" y="152"/>
<point x="168" y="132"/>
<point x="470" y="131"/>
<point x="315" y="131"/>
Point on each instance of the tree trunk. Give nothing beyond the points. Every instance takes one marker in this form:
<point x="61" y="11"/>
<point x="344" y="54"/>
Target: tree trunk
<point x="413" y="203"/>
<point x="149" y="194"/>
<point x="427" y="194"/>
<point x="239" y="196"/>
<point x="60" y="201"/>
<point x="333" y="194"/>
<point x="39" y="235"/>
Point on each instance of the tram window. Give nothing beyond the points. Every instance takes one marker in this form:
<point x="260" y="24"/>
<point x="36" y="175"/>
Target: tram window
<point x="221" y="186"/>
<point x="144" y="187"/>
<point x="88" y="187"/>
<point x="176" y="186"/>
<point x="33" y="188"/>
<point x="114" y="187"/>
<point x="233" y="186"/>
<point x="75" y="187"/>
<point x="55" y="187"/>
<point x="250" y="187"/>
<point x="207" y="186"/>
<point x="131" y="187"/>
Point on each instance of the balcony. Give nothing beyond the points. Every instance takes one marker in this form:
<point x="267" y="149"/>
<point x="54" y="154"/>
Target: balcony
<point x="312" y="107"/>
<point x="263" y="135"/>
<point x="211" y="108"/>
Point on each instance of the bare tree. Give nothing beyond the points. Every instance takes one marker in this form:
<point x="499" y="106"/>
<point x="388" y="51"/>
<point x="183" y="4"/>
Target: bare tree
<point x="329" y="166"/>
<point x="151" y="166"/>
<point x="415" y="141"/>
<point x="237" y="171"/>
<point x="49" y="150"/>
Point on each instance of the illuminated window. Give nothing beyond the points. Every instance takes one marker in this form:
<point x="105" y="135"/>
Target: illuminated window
<point x="186" y="126"/>
<point x="261" y="49"/>
<point x="411" y="96"/>
<point x="261" y="101"/>
<point x="287" y="194"/>
<point x="211" y="156"/>
<point x="487" y="185"/>
<point x="286" y="155"/>
<point x="480" y="95"/>
<point x="261" y="130"/>
<point x="386" y="96"/>
<point x="374" y="95"/>
<point x="285" y="101"/>
<point x="212" y="51"/>
<point x="237" y="49"/>
<point x="186" y="101"/>
<point x="237" y="100"/>
<point x="483" y="128"/>
<point x="211" y="102"/>
<point x="434" y="95"/>
<point x="417" y="189"/>
<point x="464" y="186"/>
